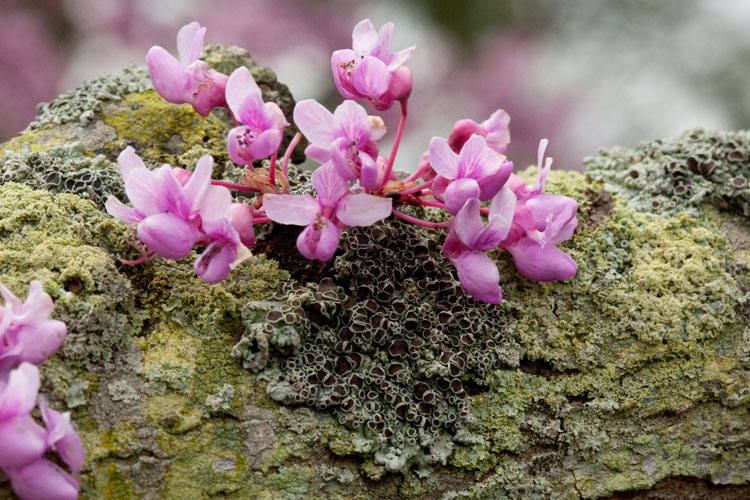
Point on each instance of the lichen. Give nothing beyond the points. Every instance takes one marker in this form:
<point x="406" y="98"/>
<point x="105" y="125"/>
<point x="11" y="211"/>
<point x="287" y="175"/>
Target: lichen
<point x="669" y="176"/>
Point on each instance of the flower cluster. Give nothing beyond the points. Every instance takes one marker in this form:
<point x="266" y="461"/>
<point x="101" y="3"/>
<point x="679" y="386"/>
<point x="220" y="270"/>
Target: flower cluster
<point x="355" y="185"/>
<point x="27" y="338"/>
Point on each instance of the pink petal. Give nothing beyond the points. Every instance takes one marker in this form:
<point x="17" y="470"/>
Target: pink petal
<point x="363" y="209"/>
<point x="364" y="37"/>
<point x="329" y="185"/>
<point x="370" y="78"/>
<point x="40" y="340"/>
<point x="23" y="440"/>
<point x="342" y="62"/>
<point x="468" y="223"/>
<point x="315" y="122"/>
<point x="42" y="480"/>
<point x="209" y="88"/>
<point x="350" y="121"/>
<point x="169" y="77"/>
<point x="199" y="182"/>
<point x="462" y="131"/>
<point x="321" y="155"/>
<point x="129" y="161"/>
<point x="368" y="174"/>
<point x="458" y="192"/>
<point x="18" y="397"/>
<point x="345" y="168"/>
<point x="474" y="161"/>
<point x="63" y="438"/>
<point x="240" y="86"/>
<point x="215" y="263"/>
<point x="316" y="242"/>
<point x="144" y="191"/>
<point x="168" y="235"/>
<point x="298" y="210"/>
<point x="479" y="276"/>
<point x="557" y="213"/>
<point x="266" y="143"/>
<point x="215" y="207"/>
<point x="489" y="185"/>
<point x="190" y="42"/>
<point x="542" y="264"/>
<point x="38" y="305"/>
<point x="498" y="130"/>
<point x="400" y="57"/>
<point x="239" y="153"/>
<point x="382" y="49"/>
<point x="443" y="160"/>
<point x="242" y="221"/>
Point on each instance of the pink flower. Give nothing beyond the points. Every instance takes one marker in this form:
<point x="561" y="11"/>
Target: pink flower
<point x="23" y="440"/>
<point x="541" y="221"/>
<point x="494" y="129"/>
<point x="346" y="137"/>
<point x="328" y="214"/>
<point x="371" y="71"/>
<point x="175" y="211"/>
<point x="26" y="332"/>
<point x="477" y="172"/>
<point x="263" y="123"/>
<point x="187" y="80"/>
<point x="469" y="239"/>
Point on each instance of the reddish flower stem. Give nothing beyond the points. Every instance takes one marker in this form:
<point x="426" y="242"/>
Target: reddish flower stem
<point x="272" y="169"/>
<point x="416" y="175"/>
<point x="416" y="188"/>
<point x="420" y="222"/>
<point x="396" y="143"/>
<point x="431" y="203"/>
<point x="288" y="153"/>
<point x="143" y="258"/>
<point x="484" y="211"/>
<point x="231" y="185"/>
<point x="260" y="220"/>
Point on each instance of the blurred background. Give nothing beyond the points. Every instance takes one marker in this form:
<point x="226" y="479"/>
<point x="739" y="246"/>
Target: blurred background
<point x="584" y="74"/>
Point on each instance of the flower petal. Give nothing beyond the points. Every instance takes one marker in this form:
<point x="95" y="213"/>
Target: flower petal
<point x="242" y="222"/>
<point x="23" y="441"/>
<point x="400" y="57"/>
<point x="329" y="185"/>
<point x="382" y="49"/>
<point x="316" y="242"/>
<point x="168" y="235"/>
<point x="190" y="42"/>
<point x="557" y="213"/>
<point x="479" y="276"/>
<point x="266" y="143"/>
<point x="363" y="209"/>
<point x="364" y="37"/>
<point x="458" y="192"/>
<point x="498" y="130"/>
<point x="489" y="185"/>
<point x="468" y="223"/>
<point x="315" y="122"/>
<point x="342" y="62"/>
<point x="18" y="397"/>
<point x="298" y="210"/>
<point x="350" y="122"/>
<point x="443" y="160"/>
<point x="62" y="437"/>
<point x="129" y="161"/>
<point x="542" y="264"/>
<point x="169" y="77"/>
<point x="474" y="161"/>
<point x="215" y="263"/>
<point x="239" y="87"/>
<point x="199" y="182"/>
<point x="42" y="480"/>
<point x="371" y="77"/>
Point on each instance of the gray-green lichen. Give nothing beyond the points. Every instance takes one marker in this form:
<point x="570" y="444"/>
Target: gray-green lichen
<point x="636" y="370"/>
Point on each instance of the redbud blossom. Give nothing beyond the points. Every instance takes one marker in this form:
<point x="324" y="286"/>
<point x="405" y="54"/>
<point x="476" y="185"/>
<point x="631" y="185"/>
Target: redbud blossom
<point x="175" y="211"/>
<point x="371" y="71"/>
<point x="26" y="332"/>
<point x="469" y="239"/>
<point x="326" y="215"/>
<point x="494" y="129"/>
<point x="476" y="172"/>
<point x="346" y="137"/>
<point x="187" y="80"/>
<point x="263" y="123"/>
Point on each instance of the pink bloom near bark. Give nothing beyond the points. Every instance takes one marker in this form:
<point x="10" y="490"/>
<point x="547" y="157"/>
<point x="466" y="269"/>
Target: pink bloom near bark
<point x="326" y="215"/>
<point x="26" y="331"/>
<point x="345" y="137"/>
<point x="540" y="223"/>
<point x="23" y="442"/>
<point x="476" y="172"/>
<point x="469" y="239"/>
<point x="263" y="123"/>
<point x="371" y="71"/>
<point x="187" y="80"/>
<point x="175" y="211"/>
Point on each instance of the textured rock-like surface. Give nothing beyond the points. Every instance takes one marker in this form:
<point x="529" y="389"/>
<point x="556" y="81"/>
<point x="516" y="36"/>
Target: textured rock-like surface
<point x="369" y="376"/>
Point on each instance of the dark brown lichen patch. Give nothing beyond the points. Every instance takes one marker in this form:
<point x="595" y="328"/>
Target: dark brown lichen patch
<point x="602" y="204"/>
<point x="390" y="345"/>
